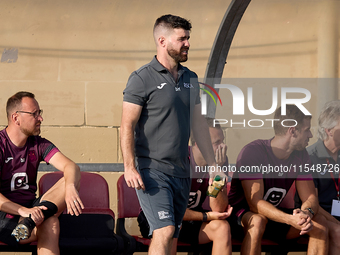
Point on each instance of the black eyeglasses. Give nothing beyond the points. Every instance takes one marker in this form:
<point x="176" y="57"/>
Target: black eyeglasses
<point x="35" y="114"/>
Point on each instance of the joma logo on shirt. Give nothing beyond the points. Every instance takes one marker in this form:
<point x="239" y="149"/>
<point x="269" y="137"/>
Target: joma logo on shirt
<point x="161" y="86"/>
<point x="8" y="159"/>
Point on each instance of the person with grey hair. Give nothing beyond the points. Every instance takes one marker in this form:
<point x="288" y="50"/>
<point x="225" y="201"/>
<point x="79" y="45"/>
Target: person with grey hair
<point x="325" y="158"/>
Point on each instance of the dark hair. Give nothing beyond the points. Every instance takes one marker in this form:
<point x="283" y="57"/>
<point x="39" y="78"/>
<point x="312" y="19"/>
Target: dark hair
<point x="171" y="21"/>
<point x="14" y="102"/>
<point x="292" y="112"/>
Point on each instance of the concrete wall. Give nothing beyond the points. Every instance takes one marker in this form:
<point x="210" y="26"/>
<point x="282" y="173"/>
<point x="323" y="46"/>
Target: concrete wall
<point x="76" y="56"/>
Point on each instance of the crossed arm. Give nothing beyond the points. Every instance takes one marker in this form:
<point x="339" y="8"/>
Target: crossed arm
<point x="300" y="219"/>
<point x="72" y="182"/>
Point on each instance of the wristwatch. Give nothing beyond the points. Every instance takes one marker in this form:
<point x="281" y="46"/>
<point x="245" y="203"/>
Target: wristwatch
<point x="205" y="216"/>
<point x="310" y="210"/>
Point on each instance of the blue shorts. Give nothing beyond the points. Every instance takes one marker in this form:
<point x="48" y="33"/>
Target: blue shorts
<point x="164" y="200"/>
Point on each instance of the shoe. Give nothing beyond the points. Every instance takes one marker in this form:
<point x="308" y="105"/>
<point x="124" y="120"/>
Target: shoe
<point x="24" y="229"/>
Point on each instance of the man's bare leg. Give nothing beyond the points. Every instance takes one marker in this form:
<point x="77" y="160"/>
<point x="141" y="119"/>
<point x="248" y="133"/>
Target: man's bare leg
<point x="47" y="233"/>
<point x="318" y="236"/>
<point x="56" y="195"/>
<point x="334" y="238"/>
<point x="217" y="231"/>
<point x="174" y="246"/>
<point x="48" y="237"/>
<point x="161" y="242"/>
<point x="254" y="226"/>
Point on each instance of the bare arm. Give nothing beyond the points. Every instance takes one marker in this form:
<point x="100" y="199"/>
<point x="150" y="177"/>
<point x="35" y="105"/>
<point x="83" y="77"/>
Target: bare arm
<point x="220" y="203"/>
<point x="13" y="208"/>
<point x="10" y="207"/>
<point x="200" y="131"/>
<point x="130" y="116"/>
<point x="72" y="181"/>
<point x="201" y="134"/>
<point x="253" y="190"/>
<point x="306" y="190"/>
<point x="328" y="216"/>
<point x="191" y="215"/>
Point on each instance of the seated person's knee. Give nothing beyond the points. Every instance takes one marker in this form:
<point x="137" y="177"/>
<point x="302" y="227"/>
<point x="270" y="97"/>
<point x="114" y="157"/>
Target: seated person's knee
<point x="51" y="225"/>
<point x="258" y="221"/>
<point x="254" y="223"/>
<point x="220" y="226"/>
<point x="320" y="228"/>
<point x="224" y="226"/>
<point x="336" y="232"/>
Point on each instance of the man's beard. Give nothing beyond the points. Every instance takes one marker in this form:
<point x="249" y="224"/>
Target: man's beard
<point x="176" y="55"/>
<point x="29" y="132"/>
<point x="300" y="147"/>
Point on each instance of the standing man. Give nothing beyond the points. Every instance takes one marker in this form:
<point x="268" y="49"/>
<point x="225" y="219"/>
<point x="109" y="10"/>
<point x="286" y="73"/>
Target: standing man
<point x="256" y="195"/>
<point x="161" y="102"/>
<point x="23" y="218"/>
<point x="201" y="226"/>
<point x="325" y="158"/>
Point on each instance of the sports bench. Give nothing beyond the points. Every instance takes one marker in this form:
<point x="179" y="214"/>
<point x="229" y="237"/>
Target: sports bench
<point x="92" y="232"/>
<point x="128" y="207"/>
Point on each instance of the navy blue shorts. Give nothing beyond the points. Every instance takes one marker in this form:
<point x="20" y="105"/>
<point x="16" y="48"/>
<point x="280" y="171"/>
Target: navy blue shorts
<point x="164" y="200"/>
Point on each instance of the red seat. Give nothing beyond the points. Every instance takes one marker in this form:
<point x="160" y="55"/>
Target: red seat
<point x="94" y="191"/>
<point x="129" y="207"/>
<point x="92" y="232"/>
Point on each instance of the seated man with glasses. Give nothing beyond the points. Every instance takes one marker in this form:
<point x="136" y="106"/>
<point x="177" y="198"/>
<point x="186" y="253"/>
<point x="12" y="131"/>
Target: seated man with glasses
<point x="35" y="114"/>
<point x="23" y="217"/>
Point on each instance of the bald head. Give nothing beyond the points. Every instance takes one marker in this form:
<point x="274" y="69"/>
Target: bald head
<point x="166" y="24"/>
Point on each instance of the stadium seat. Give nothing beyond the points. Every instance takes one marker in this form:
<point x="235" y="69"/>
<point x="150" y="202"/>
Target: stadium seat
<point x="92" y="232"/>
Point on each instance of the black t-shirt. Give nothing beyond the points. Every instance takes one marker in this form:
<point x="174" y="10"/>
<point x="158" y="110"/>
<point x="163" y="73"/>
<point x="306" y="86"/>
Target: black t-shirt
<point x="323" y="165"/>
